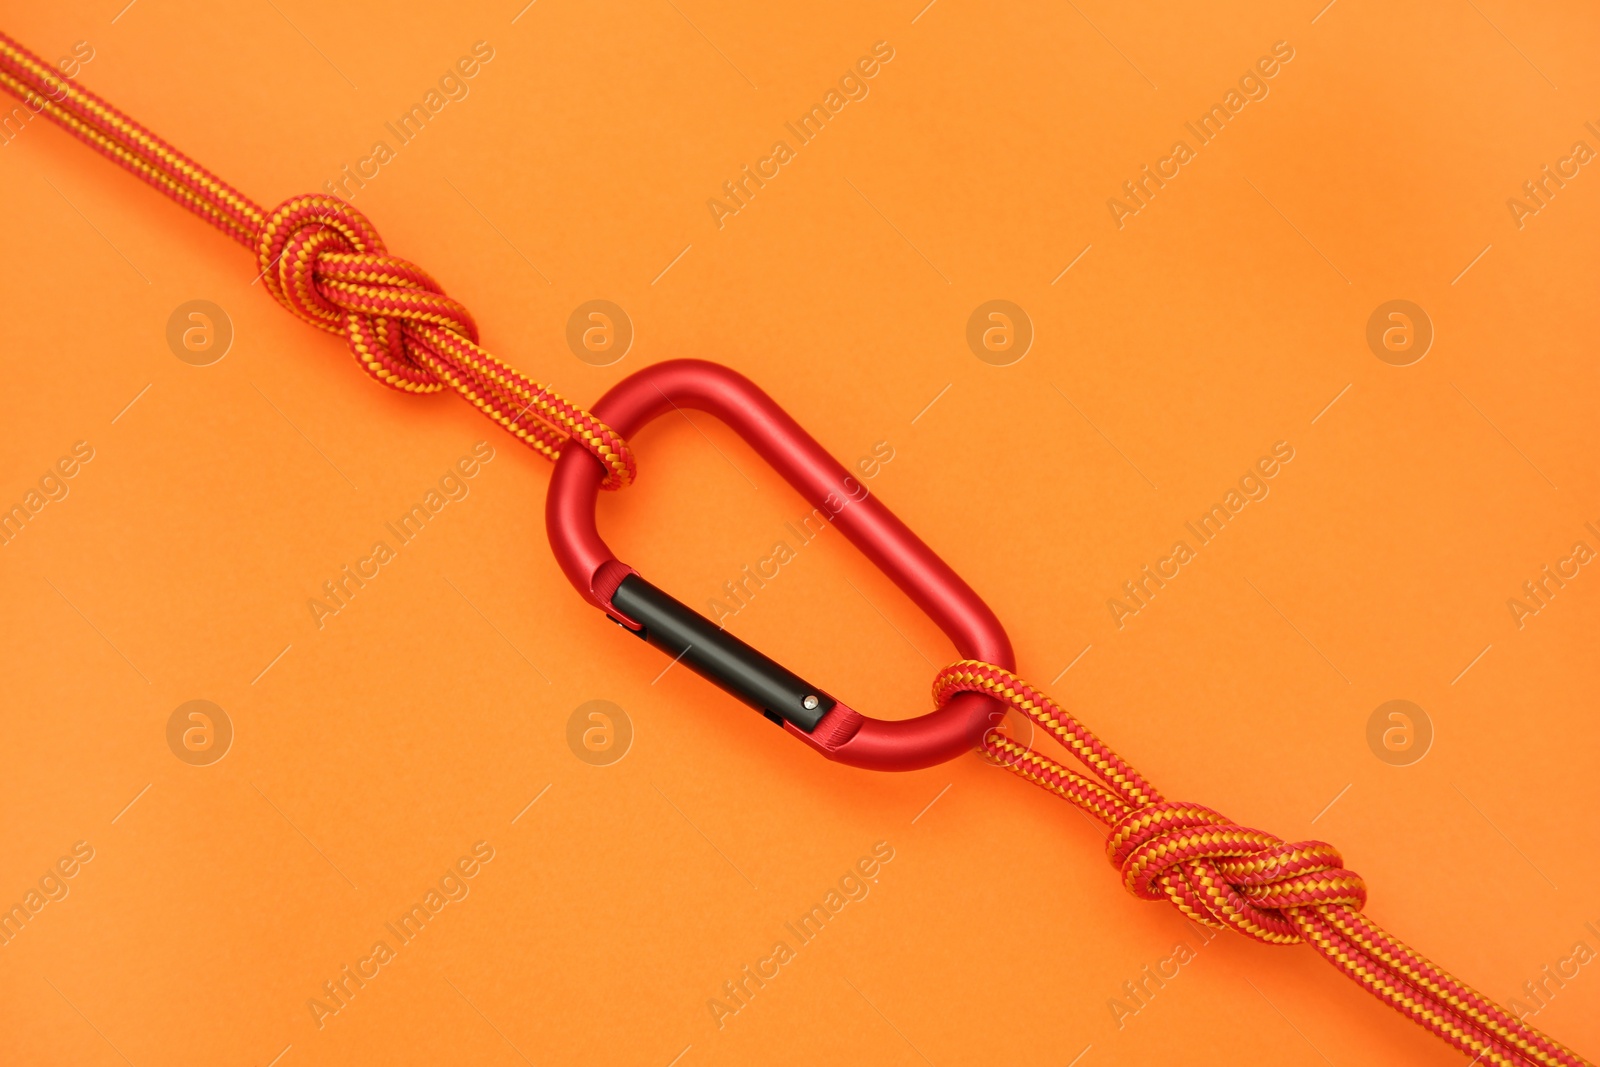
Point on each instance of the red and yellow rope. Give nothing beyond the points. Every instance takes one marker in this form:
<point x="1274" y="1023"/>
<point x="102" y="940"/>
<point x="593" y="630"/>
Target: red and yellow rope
<point x="1232" y="877"/>
<point x="324" y="261"/>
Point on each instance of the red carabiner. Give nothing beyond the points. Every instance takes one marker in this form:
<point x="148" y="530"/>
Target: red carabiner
<point x="837" y="731"/>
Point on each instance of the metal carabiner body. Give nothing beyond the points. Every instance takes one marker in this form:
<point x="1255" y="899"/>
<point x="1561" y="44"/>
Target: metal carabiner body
<point x="832" y="728"/>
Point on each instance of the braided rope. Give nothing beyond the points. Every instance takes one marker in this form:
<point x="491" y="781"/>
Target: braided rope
<point x="323" y="261"/>
<point x="1232" y="877"/>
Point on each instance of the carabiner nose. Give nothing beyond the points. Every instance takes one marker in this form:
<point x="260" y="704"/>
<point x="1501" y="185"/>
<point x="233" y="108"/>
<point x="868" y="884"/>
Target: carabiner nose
<point x="804" y="710"/>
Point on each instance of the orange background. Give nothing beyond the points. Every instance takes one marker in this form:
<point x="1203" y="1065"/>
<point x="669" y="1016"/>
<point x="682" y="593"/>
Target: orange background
<point x="427" y="715"/>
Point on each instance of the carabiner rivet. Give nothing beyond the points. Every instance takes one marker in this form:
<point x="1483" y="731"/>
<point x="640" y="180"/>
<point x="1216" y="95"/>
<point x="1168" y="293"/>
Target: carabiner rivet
<point x="810" y="703"/>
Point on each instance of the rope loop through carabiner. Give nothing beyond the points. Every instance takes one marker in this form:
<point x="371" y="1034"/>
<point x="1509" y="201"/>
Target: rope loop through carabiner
<point x="1225" y="875"/>
<point x="324" y="261"/>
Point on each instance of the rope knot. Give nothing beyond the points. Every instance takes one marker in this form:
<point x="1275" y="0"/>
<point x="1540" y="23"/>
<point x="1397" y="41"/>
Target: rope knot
<point x="1213" y="870"/>
<point x="325" y="262"/>
<point x="1223" y="874"/>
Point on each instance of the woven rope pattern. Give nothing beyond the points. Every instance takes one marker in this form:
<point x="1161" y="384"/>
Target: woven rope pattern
<point x="324" y="261"/>
<point x="1225" y="875"/>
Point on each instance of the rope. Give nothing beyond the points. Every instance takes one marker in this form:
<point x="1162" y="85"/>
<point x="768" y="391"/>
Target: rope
<point x="1231" y="877"/>
<point x="323" y="261"/>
